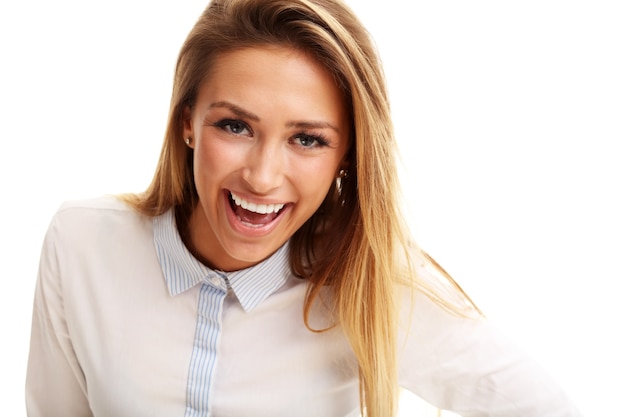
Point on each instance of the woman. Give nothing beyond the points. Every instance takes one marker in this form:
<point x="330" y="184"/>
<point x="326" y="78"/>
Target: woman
<point x="275" y="193"/>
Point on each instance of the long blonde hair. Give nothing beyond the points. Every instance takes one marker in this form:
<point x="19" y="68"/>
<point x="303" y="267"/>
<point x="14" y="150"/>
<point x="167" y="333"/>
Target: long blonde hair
<point x="350" y="243"/>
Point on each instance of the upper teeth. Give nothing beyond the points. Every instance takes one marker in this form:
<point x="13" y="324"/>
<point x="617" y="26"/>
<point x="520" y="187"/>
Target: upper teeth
<point x="257" y="208"/>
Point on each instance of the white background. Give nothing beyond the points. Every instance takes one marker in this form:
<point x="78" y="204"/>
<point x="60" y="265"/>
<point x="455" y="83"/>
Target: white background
<point x="511" y="117"/>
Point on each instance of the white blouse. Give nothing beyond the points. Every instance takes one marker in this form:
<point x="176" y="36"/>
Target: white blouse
<point x="127" y="322"/>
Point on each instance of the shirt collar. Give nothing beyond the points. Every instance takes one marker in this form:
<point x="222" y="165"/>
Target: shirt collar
<point x="183" y="271"/>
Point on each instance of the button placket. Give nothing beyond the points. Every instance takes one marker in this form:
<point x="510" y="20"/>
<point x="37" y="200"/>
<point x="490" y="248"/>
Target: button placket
<point x="215" y="280"/>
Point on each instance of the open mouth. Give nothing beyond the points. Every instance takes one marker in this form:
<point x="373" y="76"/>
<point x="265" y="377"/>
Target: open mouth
<point x="252" y="214"/>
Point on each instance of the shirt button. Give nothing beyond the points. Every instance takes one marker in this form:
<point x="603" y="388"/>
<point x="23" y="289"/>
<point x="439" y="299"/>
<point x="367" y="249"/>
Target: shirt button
<point x="215" y="281"/>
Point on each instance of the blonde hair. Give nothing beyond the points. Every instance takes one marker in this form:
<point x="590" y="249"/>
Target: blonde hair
<point x="350" y="243"/>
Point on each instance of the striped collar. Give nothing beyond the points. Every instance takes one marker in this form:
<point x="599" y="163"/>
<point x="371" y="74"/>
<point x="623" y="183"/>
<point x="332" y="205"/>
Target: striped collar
<point x="182" y="271"/>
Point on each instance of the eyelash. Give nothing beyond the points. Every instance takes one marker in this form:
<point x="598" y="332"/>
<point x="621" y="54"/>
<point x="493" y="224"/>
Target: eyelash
<point x="321" y="140"/>
<point x="228" y="124"/>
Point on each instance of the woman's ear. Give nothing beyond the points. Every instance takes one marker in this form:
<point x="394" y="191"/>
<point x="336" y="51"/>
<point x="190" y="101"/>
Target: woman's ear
<point x="344" y="165"/>
<point x="187" y="127"/>
<point x="347" y="162"/>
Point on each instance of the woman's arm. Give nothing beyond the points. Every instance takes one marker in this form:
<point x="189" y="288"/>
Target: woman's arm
<point x="55" y="385"/>
<point x="467" y="366"/>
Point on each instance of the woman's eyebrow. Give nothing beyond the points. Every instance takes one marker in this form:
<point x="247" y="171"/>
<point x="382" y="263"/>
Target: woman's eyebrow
<point x="304" y="124"/>
<point x="235" y="109"/>
<point x="311" y="124"/>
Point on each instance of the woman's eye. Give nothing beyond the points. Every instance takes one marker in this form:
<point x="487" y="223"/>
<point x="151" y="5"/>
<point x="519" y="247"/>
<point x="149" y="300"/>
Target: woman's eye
<point x="235" y="127"/>
<point x="310" y="141"/>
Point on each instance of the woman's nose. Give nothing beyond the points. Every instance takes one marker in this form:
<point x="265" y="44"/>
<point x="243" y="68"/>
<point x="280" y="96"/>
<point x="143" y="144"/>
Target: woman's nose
<point x="264" y="167"/>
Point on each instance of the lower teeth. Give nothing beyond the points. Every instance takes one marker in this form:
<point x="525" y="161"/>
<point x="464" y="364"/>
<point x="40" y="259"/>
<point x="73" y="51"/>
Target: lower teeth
<point x="249" y="224"/>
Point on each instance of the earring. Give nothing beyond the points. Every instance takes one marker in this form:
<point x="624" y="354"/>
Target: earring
<point x="188" y="140"/>
<point x="343" y="174"/>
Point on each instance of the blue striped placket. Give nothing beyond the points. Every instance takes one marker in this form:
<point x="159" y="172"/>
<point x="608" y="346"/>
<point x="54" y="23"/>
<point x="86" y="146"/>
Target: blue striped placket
<point x="204" y="356"/>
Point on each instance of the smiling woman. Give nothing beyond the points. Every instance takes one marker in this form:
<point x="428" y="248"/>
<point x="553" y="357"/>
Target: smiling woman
<point x="269" y="128"/>
<point x="267" y="269"/>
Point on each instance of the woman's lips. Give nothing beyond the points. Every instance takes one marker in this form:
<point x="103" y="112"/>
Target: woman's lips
<point x="254" y="215"/>
<point x="253" y="207"/>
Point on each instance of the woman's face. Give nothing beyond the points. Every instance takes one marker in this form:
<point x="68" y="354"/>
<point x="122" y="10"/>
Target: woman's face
<point x="270" y="132"/>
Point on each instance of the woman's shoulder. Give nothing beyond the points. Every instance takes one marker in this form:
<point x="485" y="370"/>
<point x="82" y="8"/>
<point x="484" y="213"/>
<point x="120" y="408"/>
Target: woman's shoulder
<point x="98" y="208"/>
<point x="94" y="205"/>
<point x="98" y="218"/>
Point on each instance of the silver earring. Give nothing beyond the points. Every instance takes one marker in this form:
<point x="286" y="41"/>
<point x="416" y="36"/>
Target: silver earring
<point x="187" y="141"/>
<point x="339" y="180"/>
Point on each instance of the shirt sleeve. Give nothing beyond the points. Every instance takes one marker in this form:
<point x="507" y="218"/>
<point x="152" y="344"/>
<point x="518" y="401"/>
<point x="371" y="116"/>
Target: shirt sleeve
<point x="467" y="366"/>
<point x="55" y="385"/>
